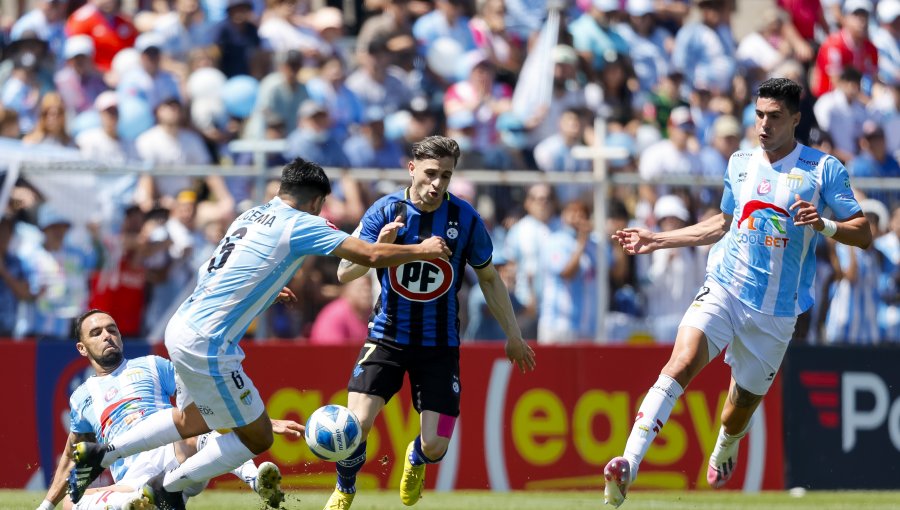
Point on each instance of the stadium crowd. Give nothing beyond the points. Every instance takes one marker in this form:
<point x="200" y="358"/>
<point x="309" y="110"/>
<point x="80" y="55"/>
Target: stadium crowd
<point x="172" y="82"/>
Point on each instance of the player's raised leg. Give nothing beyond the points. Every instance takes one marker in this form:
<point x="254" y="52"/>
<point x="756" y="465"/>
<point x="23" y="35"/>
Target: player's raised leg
<point x="689" y="355"/>
<point x="429" y="447"/>
<point x="736" y="420"/>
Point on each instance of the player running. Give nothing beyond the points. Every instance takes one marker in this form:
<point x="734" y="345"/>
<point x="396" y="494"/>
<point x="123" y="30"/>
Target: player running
<point x="414" y="327"/>
<point x="122" y="393"/>
<point x="769" y="226"/>
<point x="263" y="249"/>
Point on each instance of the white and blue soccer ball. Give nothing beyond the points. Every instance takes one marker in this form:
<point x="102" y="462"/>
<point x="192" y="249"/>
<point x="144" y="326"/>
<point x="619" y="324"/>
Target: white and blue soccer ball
<point x="333" y="432"/>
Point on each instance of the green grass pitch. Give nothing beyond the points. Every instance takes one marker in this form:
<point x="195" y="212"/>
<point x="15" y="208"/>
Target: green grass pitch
<point x="481" y="500"/>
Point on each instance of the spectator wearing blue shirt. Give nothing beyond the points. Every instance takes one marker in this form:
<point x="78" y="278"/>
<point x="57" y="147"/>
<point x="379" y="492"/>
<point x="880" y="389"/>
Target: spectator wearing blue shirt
<point x="874" y="160"/>
<point x="330" y="89"/>
<point x="13" y="281"/>
<point x="482" y="324"/>
<point x="313" y="139"/>
<point x="47" y="22"/>
<point x="369" y="148"/>
<point x="374" y="83"/>
<point x="886" y="39"/>
<point x="554" y="154"/>
<point x="448" y="19"/>
<point x="237" y="39"/>
<point x="706" y="49"/>
<point x="647" y="43"/>
<point x="148" y="81"/>
<point x="593" y="35"/>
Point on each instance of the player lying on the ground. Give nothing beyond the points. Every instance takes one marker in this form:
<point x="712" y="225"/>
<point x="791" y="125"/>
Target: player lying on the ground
<point x="121" y="394"/>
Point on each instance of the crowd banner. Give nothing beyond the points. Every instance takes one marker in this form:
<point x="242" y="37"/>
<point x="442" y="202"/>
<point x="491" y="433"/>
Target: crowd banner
<point x="842" y="417"/>
<point x="552" y="429"/>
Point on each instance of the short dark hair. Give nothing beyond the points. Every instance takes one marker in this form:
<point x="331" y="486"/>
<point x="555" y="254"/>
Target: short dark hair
<point x="304" y="180"/>
<point x="782" y="90"/>
<point x="851" y="74"/>
<point x="436" y="147"/>
<point x="83" y="317"/>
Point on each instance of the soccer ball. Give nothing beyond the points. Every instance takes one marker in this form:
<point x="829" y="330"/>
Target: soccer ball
<point x="333" y="432"/>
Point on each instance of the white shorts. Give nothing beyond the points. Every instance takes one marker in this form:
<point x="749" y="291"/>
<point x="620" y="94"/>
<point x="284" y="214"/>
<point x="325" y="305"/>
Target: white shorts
<point x="211" y="376"/>
<point x="146" y="465"/>
<point x="757" y="341"/>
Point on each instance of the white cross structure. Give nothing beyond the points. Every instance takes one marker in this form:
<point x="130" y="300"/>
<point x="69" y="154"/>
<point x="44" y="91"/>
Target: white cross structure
<point x="600" y="154"/>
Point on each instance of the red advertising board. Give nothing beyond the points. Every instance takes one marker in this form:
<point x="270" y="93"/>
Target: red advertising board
<point x="554" y="428"/>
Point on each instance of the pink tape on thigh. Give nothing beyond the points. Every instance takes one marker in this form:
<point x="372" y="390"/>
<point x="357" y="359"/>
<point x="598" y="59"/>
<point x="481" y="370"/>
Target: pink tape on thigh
<point x="445" y="425"/>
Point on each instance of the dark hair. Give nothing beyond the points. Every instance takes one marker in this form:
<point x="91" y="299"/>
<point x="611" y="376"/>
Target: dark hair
<point x="782" y="90"/>
<point x="83" y="317"/>
<point x="304" y="180"/>
<point x="436" y="147"/>
<point x="851" y="74"/>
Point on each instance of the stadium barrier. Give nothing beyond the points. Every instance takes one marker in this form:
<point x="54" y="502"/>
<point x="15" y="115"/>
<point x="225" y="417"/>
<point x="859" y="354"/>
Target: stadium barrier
<point x="842" y="418"/>
<point x="554" y="428"/>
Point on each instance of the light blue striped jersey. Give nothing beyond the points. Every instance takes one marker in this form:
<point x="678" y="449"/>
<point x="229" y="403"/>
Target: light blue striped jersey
<point x="768" y="262"/>
<point x="853" y="312"/>
<point x="261" y="251"/>
<point x="109" y="405"/>
<point x="889" y="309"/>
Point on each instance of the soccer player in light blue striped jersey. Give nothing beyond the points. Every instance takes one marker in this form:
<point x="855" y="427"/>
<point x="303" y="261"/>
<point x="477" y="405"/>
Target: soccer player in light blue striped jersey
<point x="261" y="251"/>
<point x="769" y="225"/>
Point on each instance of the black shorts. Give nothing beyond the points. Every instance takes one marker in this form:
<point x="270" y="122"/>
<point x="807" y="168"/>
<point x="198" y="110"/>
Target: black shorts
<point x="433" y="374"/>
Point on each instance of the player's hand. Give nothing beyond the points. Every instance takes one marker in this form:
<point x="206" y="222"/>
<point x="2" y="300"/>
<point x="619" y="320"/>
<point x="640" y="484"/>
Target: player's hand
<point x="521" y="354"/>
<point x="635" y="241"/>
<point x="435" y="247"/>
<point x="288" y="428"/>
<point x="286" y="295"/>
<point x="388" y="232"/>
<point x="806" y="214"/>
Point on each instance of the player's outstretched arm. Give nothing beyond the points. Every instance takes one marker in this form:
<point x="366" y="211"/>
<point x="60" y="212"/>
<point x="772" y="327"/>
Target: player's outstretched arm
<point x="348" y="271"/>
<point x="387" y="255"/>
<point x="854" y="231"/>
<point x="57" y="490"/>
<point x="638" y="241"/>
<point x="497" y="297"/>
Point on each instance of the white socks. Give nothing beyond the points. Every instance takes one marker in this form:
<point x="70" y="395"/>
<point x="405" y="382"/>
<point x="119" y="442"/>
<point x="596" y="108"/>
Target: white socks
<point x="156" y="430"/>
<point x="653" y="414"/>
<point x="726" y="445"/>
<point x="246" y="472"/>
<point x="220" y="455"/>
<point x="106" y="500"/>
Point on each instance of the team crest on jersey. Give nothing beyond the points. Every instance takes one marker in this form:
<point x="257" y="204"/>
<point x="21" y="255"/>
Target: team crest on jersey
<point x="794" y="181"/>
<point x="422" y="280"/>
<point x="133" y="374"/>
<point x="246" y="397"/>
<point x="764" y="187"/>
<point x="452" y="229"/>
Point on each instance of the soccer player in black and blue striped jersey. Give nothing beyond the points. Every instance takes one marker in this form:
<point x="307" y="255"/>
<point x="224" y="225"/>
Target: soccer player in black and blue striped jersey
<point x="414" y="327"/>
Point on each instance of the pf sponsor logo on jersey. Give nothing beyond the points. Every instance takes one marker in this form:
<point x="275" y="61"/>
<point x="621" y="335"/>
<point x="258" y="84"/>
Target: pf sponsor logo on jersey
<point x="422" y="280"/>
<point x="764" y="187"/>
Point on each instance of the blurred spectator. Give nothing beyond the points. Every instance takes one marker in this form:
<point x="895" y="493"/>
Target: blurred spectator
<point x="45" y="21"/>
<point x="774" y="42"/>
<point x="726" y="139"/>
<point x="842" y="114"/>
<point x="491" y="37"/>
<point x="805" y="16"/>
<point x="524" y="18"/>
<point x="648" y="43"/>
<point x="78" y="82"/>
<point x="238" y="41"/>
<point x="482" y="325"/>
<point x="58" y="274"/>
<point x="392" y="21"/>
<point x="51" y="125"/>
<point x="618" y="98"/>
<point x="328" y="23"/>
<point x="875" y="161"/>
<point x="345" y="320"/>
<point x="103" y="143"/>
<point x="889" y="247"/>
<point x="849" y="47"/>
<point x="448" y="19"/>
<point x="313" y="138"/>
<point x="554" y="154"/>
<point x="374" y="83"/>
<point x="330" y="89"/>
<point x="23" y="91"/>
<point x="281" y="32"/>
<point x="886" y="39"/>
<point x="853" y="313"/>
<point x="704" y="50"/>
<point x="280" y="95"/>
<point x="168" y="144"/>
<point x="523" y="245"/>
<point x="593" y="35"/>
<point x="148" y="81"/>
<point x="674" y="276"/>
<point x="9" y="123"/>
<point x="111" y="31"/>
<point x="676" y="155"/>
<point x="182" y="29"/>
<point x="13" y="282"/>
<point x="368" y="148"/>
<point x="481" y="95"/>
<point x="568" y="299"/>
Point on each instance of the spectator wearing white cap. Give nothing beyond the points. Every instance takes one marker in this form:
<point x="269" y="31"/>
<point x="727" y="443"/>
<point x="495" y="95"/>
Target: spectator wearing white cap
<point x="103" y="143"/>
<point x="149" y="81"/>
<point x="848" y="47"/>
<point x="649" y="44"/>
<point x="673" y="276"/>
<point x="594" y="36"/>
<point x="886" y="39"/>
<point x="853" y="312"/>
<point x="78" y="82"/>
<point x="726" y="140"/>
